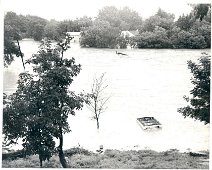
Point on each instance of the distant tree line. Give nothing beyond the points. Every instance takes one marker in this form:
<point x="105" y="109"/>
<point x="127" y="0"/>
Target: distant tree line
<point x="160" y="31"/>
<point x="191" y="31"/>
<point x="37" y="28"/>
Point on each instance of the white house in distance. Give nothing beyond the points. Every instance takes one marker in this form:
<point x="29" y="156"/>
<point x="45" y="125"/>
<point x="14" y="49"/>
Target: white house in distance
<point x="76" y="36"/>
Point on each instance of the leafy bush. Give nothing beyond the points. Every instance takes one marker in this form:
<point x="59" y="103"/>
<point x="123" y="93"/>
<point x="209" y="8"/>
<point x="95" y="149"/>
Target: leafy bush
<point x="84" y="161"/>
<point x="156" y="39"/>
<point x="77" y="150"/>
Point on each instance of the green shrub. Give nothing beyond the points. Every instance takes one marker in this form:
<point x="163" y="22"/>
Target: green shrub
<point x="77" y="150"/>
<point x="84" y="161"/>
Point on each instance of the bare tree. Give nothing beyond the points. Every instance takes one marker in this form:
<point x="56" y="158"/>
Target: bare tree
<point x="98" y="100"/>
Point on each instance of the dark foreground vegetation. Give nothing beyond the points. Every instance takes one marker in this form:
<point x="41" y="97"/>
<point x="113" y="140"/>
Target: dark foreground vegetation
<point x="142" y="159"/>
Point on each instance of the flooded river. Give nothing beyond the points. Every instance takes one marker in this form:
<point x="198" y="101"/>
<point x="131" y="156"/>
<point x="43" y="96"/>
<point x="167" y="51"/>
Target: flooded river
<point x="147" y="82"/>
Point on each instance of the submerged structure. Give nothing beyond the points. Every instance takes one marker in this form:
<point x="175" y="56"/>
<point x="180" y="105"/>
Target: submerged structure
<point x="148" y="122"/>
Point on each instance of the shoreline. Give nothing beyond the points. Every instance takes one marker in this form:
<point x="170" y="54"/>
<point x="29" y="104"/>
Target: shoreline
<point x="112" y="158"/>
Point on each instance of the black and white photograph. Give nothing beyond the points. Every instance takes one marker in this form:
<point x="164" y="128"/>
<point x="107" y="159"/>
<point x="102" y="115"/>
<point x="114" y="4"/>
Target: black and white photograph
<point x="105" y="84"/>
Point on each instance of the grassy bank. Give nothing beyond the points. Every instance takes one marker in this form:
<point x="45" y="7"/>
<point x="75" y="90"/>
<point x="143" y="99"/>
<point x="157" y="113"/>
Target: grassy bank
<point x="142" y="159"/>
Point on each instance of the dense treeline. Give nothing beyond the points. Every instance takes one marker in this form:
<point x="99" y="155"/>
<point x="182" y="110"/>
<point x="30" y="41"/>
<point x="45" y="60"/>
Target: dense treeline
<point x="37" y="28"/>
<point x="158" y="31"/>
<point x="191" y="31"/>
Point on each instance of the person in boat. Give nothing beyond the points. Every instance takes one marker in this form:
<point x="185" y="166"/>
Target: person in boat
<point x="120" y="53"/>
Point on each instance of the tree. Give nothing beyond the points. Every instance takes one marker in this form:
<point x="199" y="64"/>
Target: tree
<point x="51" y="30"/>
<point x="110" y="14"/>
<point x="156" y="39"/>
<point x="201" y="10"/>
<point x="98" y="100"/>
<point x="10" y="48"/>
<point x="38" y="32"/>
<point x="202" y="28"/>
<point x="39" y="108"/>
<point x="124" y="19"/>
<point x="35" y="28"/>
<point x="122" y="41"/>
<point x="199" y="107"/>
<point x="160" y="19"/>
<point x="130" y="20"/>
<point x="12" y="33"/>
<point x="185" y="22"/>
<point x="101" y="35"/>
<point x="81" y="23"/>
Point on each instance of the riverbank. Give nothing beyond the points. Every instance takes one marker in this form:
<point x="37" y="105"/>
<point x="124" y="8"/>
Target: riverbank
<point x="142" y="159"/>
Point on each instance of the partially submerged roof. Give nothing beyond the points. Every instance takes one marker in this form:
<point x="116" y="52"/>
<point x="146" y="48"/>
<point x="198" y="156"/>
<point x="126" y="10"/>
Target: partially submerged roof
<point x="127" y="33"/>
<point x="130" y="33"/>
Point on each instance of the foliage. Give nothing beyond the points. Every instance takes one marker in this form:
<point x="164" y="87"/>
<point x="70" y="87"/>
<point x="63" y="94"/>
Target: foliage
<point x="80" y="23"/>
<point x="12" y="34"/>
<point x="100" y="35"/>
<point x="199" y="107"/>
<point x="15" y="25"/>
<point x="160" y="19"/>
<point x="186" y="32"/>
<point x="39" y="109"/>
<point x="74" y="25"/>
<point x="77" y="150"/>
<point x="201" y="10"/>
<point x="35" y="27"/>
<point x="203" y="28"/>
<point x="185" y="22"/>
<point x="156" y="39"/>
<point x="131" y="19"/>
<point x="124" y="19"/>
<point x="51" y="30"/>
<point x="185" y="39"/>
<point x="38" y="28"/>
<point x="38" y="32"/>
<point x="115" y="159"/>
<point x="10" y="48"/>
<point x="109" y="14"/>
<point x="104" y="31"/>
<point x="122" y="41"/>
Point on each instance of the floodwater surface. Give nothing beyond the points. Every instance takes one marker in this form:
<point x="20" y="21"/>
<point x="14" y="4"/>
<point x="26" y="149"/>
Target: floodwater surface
<point x="147" y="82"/>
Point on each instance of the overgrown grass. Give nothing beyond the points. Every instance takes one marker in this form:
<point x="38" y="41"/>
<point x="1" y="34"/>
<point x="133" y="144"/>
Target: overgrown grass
<point x="142" y="159"/>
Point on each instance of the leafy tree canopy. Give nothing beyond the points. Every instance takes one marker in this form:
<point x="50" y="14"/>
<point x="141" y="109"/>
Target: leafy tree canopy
<point x="199" y="104"/>
<point x="124" y="19"/>
<point x="201" y="10"/>
<point x="35" y="112"/>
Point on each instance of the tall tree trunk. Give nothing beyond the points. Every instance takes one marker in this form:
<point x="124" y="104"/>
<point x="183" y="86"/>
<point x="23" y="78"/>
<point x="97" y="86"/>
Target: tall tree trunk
<point x="22" y="57"/>
<point x="60" y="150"/>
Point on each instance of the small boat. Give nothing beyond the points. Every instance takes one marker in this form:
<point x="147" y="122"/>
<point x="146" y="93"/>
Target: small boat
<point x="148" y="122"/>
